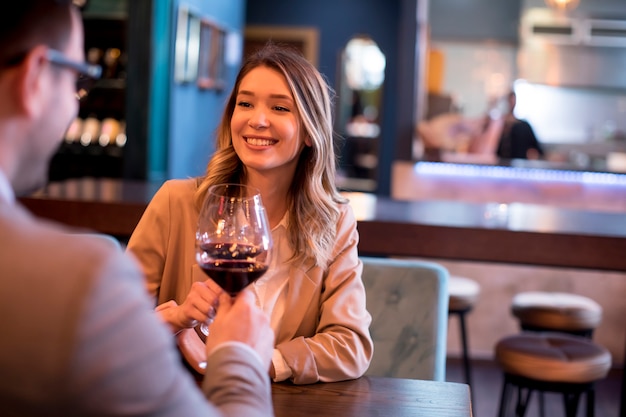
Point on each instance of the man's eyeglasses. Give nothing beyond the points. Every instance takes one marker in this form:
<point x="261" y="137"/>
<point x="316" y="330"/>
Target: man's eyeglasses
<point x="87" y="73"/>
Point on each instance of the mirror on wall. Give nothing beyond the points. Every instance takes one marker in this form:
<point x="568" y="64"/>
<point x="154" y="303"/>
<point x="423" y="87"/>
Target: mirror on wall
<point x="361" y="80"/>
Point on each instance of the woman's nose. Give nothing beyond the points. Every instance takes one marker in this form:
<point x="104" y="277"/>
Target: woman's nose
<point x="258" y="119"/>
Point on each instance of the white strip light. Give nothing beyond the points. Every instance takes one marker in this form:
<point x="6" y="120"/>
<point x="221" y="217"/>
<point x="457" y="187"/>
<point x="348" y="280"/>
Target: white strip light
<point x="514" y="173"/>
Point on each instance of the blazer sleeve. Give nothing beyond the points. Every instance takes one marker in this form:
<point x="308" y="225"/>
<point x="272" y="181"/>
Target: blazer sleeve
<point x="341" y="347"/>
<point x="148" y="243"/>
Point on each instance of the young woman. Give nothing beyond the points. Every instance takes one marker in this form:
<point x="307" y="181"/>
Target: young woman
<point x="276" y="135"/>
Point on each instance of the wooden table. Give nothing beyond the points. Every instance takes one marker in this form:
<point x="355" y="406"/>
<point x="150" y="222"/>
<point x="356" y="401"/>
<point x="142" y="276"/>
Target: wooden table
<point x="372" y="396"/>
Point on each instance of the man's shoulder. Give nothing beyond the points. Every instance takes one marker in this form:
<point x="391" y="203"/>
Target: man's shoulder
<point x="25" y="236"/>
<point x="50" y="263"/>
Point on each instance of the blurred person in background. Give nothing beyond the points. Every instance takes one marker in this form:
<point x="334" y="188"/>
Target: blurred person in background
<point x="517" y="138"/>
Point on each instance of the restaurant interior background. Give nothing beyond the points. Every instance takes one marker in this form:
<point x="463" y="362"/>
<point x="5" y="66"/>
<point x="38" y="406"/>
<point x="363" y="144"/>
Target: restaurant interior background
<point x="153" y="115"/>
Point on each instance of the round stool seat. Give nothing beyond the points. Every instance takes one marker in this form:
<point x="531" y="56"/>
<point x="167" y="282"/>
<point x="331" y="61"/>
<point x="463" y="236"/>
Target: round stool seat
<point x="556" y="311"/>
<point x="463" y="293"/>
<point x="553" y="357"/>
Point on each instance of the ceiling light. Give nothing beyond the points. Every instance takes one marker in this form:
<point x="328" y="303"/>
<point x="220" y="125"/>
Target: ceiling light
<point x="562" y="4"/>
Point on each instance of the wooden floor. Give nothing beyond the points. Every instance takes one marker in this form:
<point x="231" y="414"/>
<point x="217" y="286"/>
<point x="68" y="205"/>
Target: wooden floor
<point x="487" y="387"/>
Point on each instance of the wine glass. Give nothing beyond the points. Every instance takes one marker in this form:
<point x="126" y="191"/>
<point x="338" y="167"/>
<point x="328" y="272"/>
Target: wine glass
<point x="233" y="239"/>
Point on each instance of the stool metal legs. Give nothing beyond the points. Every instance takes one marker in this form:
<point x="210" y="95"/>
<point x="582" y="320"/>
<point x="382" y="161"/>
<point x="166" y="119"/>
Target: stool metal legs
<point x="466" y="360"/>
<point x="542" y="405"/>
<point x="523" y="398"/>
<point x="464" y="345"/>
<point x="571" y="404"/>
<point x="504" y="398"/>
<point x="571" y="395"/>
<point x="622" y="401"/>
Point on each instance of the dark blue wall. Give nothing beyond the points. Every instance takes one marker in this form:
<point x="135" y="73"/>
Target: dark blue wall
<point x="338" y="21"/>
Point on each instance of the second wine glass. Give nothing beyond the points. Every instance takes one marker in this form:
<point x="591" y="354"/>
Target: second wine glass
<point x="233" y="239"/>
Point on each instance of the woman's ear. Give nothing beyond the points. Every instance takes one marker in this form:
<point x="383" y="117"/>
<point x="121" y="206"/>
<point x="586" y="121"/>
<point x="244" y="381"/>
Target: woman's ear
<point x="307" y="141"/>
<point x="31" y="81"/>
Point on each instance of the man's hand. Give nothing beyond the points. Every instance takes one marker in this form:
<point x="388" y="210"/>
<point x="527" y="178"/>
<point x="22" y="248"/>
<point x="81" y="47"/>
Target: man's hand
<point x="242" y="321"/>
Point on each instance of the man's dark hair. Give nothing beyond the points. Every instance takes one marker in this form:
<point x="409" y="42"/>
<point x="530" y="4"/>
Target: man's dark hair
<point x="25" y="24"/>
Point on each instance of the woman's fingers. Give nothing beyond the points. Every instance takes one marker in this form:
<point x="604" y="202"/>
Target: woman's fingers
<point x="201" y="302"/>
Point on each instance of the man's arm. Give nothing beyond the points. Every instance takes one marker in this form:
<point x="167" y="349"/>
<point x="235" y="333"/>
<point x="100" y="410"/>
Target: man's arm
<point x="127" y="360"/>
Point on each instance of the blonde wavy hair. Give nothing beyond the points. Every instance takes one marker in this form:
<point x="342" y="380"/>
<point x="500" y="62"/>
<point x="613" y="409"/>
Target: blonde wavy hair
<point x="313" y="198"/>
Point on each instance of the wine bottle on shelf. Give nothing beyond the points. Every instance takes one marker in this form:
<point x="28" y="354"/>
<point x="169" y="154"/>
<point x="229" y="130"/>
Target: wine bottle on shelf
<point x="91" y="131"/>
<point x="111" y="63"/>
<point x="94" y="56"/>
<point x="120" y="139"/>
<point x="109" y="131"/>
<point x="75" y="130"/>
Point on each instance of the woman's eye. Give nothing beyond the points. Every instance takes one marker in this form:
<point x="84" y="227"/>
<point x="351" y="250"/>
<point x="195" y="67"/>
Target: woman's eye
<point x="281" y="108"/>
<point x="243" y="104"/>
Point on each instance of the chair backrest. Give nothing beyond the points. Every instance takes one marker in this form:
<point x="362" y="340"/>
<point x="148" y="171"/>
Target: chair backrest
<point x="408" y="301"/>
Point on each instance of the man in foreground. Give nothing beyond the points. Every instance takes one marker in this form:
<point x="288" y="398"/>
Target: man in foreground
<point x="79" y="336"/>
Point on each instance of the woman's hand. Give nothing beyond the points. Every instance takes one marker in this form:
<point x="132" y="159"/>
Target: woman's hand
<point x="200" y="304"/>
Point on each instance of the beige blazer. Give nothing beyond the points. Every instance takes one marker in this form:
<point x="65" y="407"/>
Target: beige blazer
<point x="325" y="335"/>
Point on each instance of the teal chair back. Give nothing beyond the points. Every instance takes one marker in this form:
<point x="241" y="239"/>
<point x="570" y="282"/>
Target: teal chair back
<point x="408" y="301"/>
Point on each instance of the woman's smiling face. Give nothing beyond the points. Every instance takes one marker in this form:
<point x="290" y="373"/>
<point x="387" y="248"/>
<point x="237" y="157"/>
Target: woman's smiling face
<point x="265" y="125"/>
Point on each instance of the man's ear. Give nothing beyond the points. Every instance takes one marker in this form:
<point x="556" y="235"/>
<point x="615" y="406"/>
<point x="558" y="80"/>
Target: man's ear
<point x="31" y="82"/>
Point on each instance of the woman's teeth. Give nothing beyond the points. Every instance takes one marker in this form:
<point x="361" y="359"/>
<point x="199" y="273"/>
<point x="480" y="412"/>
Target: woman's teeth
<point x="260" y="142"/>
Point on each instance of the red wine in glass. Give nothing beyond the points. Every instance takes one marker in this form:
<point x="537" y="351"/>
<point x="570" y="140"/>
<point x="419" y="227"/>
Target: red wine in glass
<point x="233" y="266"/>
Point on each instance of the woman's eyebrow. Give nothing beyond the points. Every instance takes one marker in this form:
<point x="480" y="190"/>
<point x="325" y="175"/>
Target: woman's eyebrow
<point x="281" y="96"/>
<point x="276" y="96"/>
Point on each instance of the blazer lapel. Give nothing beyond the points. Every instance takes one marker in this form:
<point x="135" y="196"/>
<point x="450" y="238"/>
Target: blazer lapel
<point x="303" y="291"/>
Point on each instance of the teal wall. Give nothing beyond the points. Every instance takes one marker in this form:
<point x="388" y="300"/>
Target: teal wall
<point x="183" y="117"/>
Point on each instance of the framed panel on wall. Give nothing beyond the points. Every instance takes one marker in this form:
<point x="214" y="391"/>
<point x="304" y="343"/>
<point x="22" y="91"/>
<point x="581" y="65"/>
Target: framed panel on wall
<point x="211" y="60"/>
<point x="305" y="39"/>
<point x="187" y="46"/>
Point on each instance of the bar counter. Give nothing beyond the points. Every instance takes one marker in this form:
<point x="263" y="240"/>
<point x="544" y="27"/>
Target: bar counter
<point x="503" y="233"/>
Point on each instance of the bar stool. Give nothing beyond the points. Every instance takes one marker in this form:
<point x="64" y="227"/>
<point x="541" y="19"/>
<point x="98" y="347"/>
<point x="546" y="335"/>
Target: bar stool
<point x="550" y="362"/>
<point x="557" y="311"/>
<point x="463" y="294"/>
